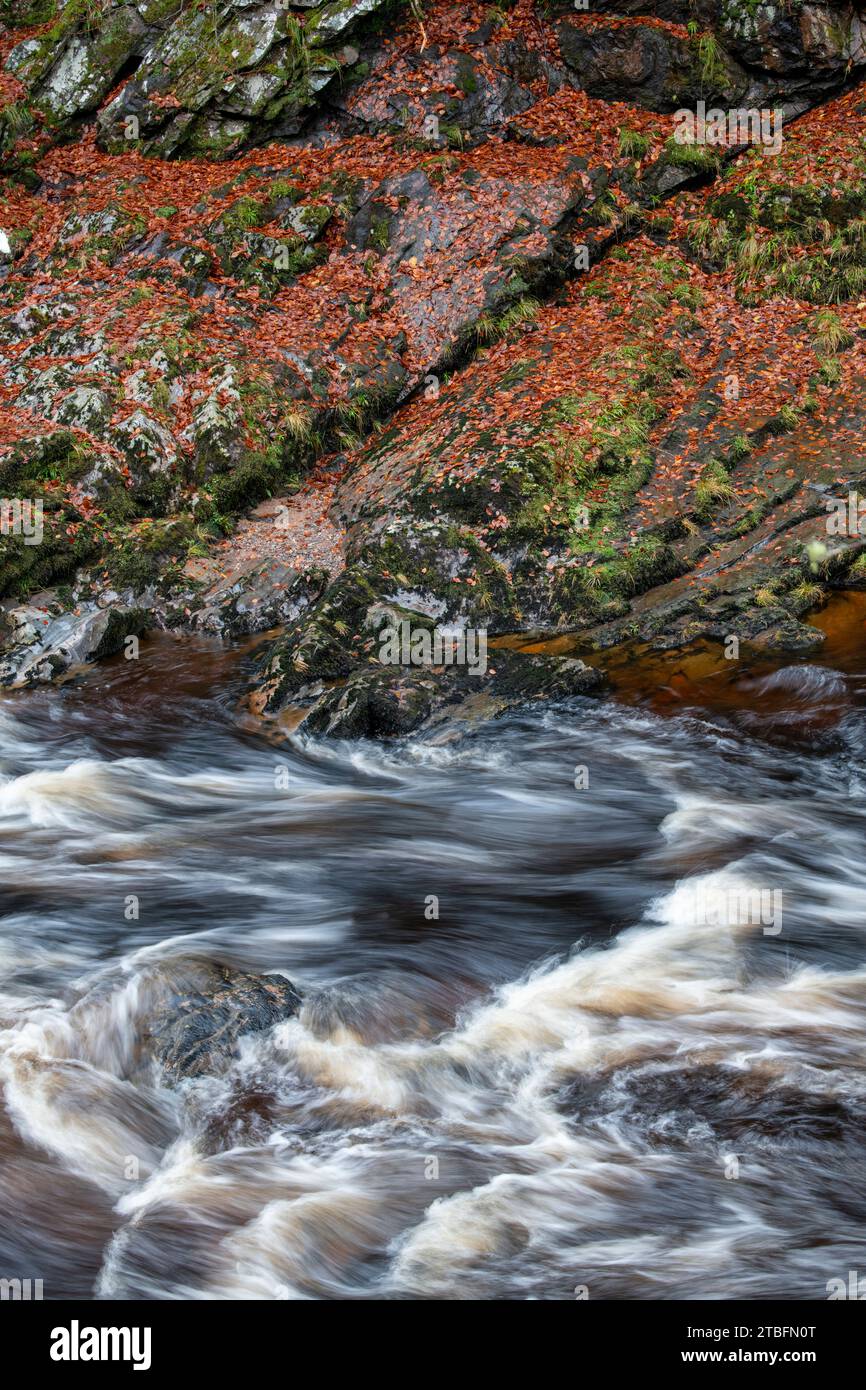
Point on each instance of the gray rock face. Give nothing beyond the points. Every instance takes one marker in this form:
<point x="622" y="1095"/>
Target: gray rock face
<point x="194" y="77"/>
<point x="265" y="595"/>
<point x="23" y="626"/>
<point x="482" y="228"/>
<point x="85" y="66"/>
<point x="464" y="99"/>
<point x="44" y="648"/>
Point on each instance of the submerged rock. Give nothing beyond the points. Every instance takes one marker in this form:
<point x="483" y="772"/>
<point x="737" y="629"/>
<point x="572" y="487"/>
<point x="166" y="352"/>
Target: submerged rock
<point x="197" y="1028"/>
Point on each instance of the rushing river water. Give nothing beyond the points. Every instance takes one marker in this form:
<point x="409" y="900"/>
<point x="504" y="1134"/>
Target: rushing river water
<point x="594" y="1069"/>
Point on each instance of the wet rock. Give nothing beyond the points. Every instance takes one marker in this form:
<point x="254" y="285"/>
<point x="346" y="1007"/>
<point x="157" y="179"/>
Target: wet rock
<point x="43" y="651"/>
<point x="146" y="443"/>
<point x="189" y="81"/>
<point x="520" y="677"/>
<point x="197" y="1027"/>
<point x="201" y="92"/>
<point x="476" y="232"/>
<point x="465" y="97"/>
<point x="640" y="63"/>
<point x="24" y="625"/>
<point x="760" y="55"/>
<point x="263" y="595"/>
<point x="87" y="67"/>
<point x="383" y="703"/>
<point x="374" y="704"/>
<point x="214" y="431"/>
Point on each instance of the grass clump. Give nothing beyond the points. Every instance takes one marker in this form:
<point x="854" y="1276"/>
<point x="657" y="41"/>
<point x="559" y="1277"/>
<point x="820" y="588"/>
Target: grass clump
<point x="829" y="333"/>
<point x="632" y="143"/>
<point x="700" y="159"/>
<point x="714" y="489"/>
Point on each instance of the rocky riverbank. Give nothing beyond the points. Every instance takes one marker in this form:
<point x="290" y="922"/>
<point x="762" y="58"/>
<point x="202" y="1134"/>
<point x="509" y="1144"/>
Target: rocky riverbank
<point x="427" y="320"/>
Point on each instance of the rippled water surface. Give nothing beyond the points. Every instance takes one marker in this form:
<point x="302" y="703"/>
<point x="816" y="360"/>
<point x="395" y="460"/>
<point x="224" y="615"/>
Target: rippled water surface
<point x="591" y="1069"/>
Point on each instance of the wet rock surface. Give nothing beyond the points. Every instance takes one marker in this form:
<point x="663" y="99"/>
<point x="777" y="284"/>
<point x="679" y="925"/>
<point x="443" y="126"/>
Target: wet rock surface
<point x="662" y="57"/>
<point x="182" y="79"/>
<point x="198" y="1027"/>
<point x="44" y="648"/>
<point x="377" y="703"/>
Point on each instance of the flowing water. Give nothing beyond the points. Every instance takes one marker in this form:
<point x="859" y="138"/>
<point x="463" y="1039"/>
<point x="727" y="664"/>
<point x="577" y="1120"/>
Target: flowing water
<point x="547" y="1045"/>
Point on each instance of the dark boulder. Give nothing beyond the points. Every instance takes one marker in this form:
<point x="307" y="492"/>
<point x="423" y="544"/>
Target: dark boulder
<point x="196" y="1029"/>
<point x="670" y="55"/>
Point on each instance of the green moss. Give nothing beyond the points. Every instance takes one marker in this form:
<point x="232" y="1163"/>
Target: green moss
<point x="16" y="119"/>
<point x="290" y="259"/>
<point x="58" y="457"/>
<point x="466" y="78"/>
<point x="438" y="167"/>
<point x="26" y="569"/>
<point x="699" y="158"/>
<point x="35" y="470"/>
<point x="253" y="480"/>
<point x="151" y="554"/>
<point x="22" y="13"/>
<point x="245" y="213"/>
<point x="315" y="217"/>
<point x="282" y="188"/>
<point x="206" y="142"/>
<point x="637" y="567"/>
<point x="380" y="233"/>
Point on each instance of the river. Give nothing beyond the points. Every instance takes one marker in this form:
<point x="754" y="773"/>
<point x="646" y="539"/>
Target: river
<point x="547" y="1051"/>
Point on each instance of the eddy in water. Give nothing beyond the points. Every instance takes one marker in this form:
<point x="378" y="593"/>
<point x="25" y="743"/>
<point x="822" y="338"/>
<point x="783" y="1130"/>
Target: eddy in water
<point x="434" y="1020"/>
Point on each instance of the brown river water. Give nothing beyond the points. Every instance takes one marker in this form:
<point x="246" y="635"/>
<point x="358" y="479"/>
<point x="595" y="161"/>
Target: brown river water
<point x="596" y="1069"/>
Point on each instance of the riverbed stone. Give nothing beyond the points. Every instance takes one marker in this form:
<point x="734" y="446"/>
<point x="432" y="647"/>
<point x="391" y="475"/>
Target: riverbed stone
<point x="198" y="1026"/>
